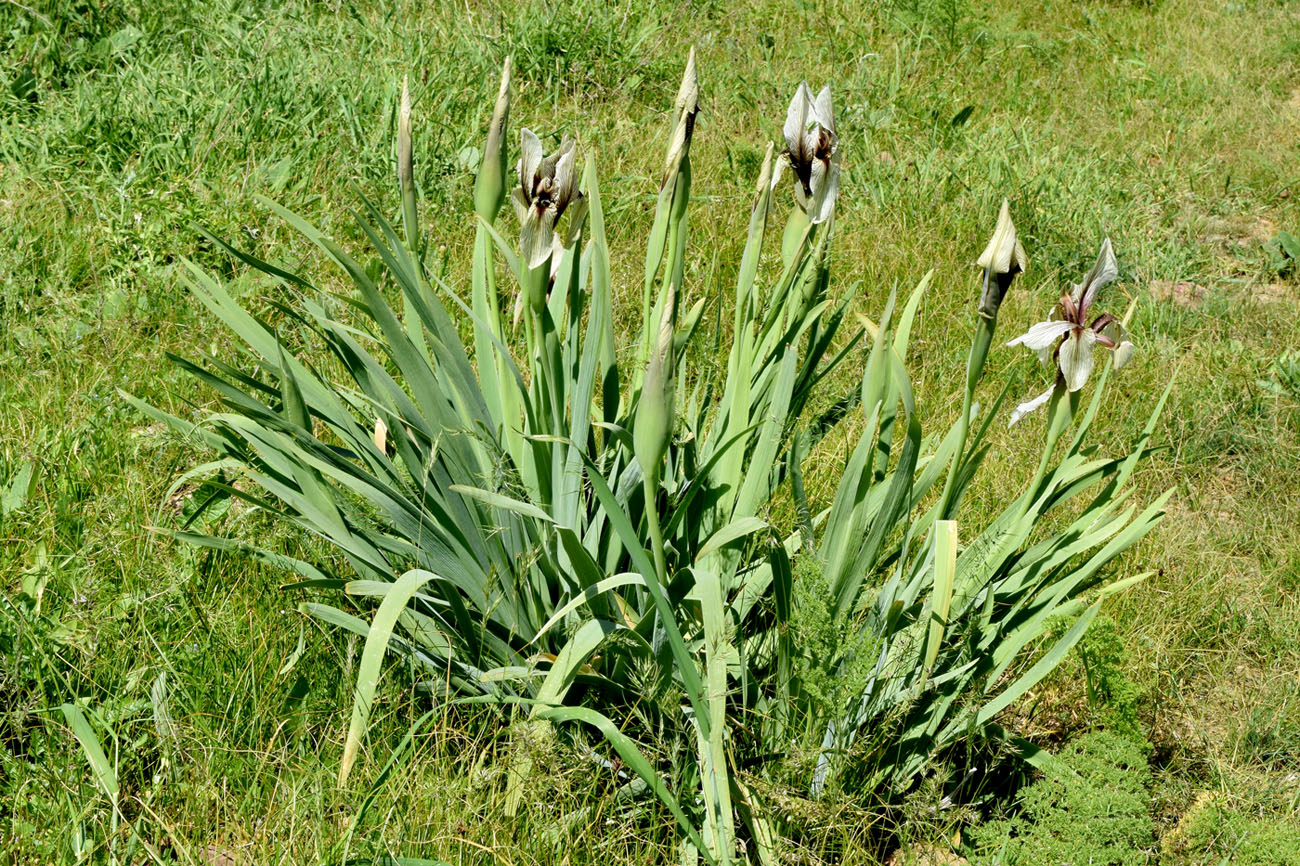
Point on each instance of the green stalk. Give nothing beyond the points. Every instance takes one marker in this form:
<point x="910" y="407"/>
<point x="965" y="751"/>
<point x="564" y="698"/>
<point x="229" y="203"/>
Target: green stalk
<point x="651" y="487"/>
<point x="975" y="362"/>
<point x="1060" y="413"/>
<point x="410" y="221"/>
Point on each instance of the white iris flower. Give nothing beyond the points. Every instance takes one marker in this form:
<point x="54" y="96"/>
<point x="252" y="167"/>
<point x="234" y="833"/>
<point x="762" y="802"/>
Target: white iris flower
<point x="813" y="152"/>
<point x="546" y="187"/>
<point x="1069" y="339"/>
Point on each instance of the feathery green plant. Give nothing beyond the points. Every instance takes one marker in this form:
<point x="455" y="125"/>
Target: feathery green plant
<point x="589" y="537"/>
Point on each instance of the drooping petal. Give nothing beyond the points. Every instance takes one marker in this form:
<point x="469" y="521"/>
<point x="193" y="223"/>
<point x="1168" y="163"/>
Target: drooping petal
<point x="823" y="111"/>
<point x="804" y="200"/>
<point x="1025" y="408"/>
<point x="1104" y="271"/>
<point x="535" y="234"/>
<point x="816" y="182"/>
<point x="530" y="159"/>
<point x="557" y="255"/>
<point x="796" y="120"/>
<point x="1122" y="354"/>
<point x="577" y="217"/>
<point x="825" y="183"/>
<point x="520" y="203"/>
<point x="1076" y="357"/>
<point x="1042" y="335"/>
<point x="1047" y="354"/>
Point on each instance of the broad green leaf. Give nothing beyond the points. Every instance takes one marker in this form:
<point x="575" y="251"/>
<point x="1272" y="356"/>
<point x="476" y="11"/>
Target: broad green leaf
<point x="945" y="568"/>
<point x="372" y="657"/>
<point x="91" y="748"/>
<point x="737" y="529"/>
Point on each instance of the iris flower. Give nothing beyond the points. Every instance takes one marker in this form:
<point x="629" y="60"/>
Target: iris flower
<point x="1068" y="338"/>
<point x="546" y="187"/>
<point x="812" y="150"/>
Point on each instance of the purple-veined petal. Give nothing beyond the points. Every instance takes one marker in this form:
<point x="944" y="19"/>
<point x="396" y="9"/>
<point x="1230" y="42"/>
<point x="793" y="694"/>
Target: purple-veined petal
<point x="1104" y="271"/>
<point x="535" y="235"/>
<point x="577" y="217"/>
<point x="1042" y="335"/>
<point x="1075" y="356"/>
<point x="1025" y="408"/>
<point x="826" y="192"/>
<point x="565" y="180"/>
<point x="811" y="136"/>
<point x="520" y="203"/>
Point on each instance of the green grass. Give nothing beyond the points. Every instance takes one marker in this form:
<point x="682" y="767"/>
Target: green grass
<point x="1172" y="126"/>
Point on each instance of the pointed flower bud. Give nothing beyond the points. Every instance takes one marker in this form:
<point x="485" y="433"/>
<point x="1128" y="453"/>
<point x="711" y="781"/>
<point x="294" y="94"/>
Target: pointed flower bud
<point x="546" y="187"/>
<point x="489" y="189"/>
<point x="405" y="174"/>
<point x="653" y="425"/>
<point x="813" y="151"/>
<point x="1002" y="259"/>
<point x="684" y="111"/>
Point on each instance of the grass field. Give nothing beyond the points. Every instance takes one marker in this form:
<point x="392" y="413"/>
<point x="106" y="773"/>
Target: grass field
<point x="1173" y="126"/>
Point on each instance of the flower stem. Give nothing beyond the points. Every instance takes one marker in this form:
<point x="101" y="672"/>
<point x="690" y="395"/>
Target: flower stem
<point x="979" y="352"/>
<point x="651" y="488"/>
<point x="1060" y="413"/>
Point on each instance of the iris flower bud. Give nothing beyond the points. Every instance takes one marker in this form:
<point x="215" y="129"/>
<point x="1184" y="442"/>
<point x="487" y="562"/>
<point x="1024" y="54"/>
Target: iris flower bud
<point x="653" y="426"/>
<point x="1002" y="259"/>
<point x="684" y="111"/>
<point x="405" y="174"/>
<point x="489" y="188"/>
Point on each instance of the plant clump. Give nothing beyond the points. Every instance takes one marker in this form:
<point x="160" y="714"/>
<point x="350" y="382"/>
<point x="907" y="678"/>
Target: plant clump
<point x="587" y="537"/>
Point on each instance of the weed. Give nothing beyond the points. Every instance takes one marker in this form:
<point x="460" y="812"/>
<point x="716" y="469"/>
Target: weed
<point x="1090" y="807"/>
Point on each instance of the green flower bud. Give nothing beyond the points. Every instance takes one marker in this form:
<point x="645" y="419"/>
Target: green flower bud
<point x="653" y="427"/>
<point x="490" y="188"/>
